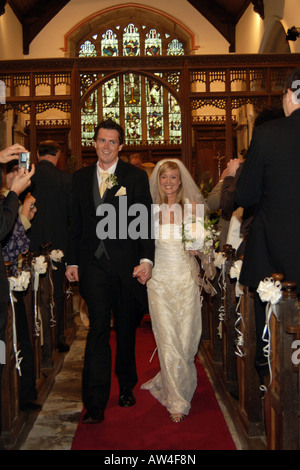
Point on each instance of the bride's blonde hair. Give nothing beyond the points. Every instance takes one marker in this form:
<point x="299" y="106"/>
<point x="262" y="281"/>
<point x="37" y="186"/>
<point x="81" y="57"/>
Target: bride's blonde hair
<point x="164" y="167"/>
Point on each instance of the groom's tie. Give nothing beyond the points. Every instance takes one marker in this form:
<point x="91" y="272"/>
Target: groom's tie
<point x="104" y="183"/>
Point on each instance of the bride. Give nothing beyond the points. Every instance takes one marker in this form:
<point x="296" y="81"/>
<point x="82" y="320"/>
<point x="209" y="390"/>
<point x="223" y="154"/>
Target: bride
<point x="173" y="294"/>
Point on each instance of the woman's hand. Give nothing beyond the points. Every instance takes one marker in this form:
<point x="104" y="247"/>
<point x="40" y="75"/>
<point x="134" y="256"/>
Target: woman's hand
<point x="11" y="153"/>
<point x="22" y="180"/>
<point x="28" y="208"/>
<point x="143" y="272"/>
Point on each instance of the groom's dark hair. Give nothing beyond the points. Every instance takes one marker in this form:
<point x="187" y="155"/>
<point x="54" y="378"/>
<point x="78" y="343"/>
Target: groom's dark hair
<point x="111" y="125"/>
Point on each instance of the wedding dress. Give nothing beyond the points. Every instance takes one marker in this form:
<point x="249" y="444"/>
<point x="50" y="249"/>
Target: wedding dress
<point x="175" y="310"/>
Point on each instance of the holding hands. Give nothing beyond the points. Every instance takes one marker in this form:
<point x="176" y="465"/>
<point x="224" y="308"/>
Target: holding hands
<point x="143" y="272"/>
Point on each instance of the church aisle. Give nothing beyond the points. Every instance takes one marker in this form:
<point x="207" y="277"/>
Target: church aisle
<point x="57" y="422"/>
<point x="56" y="425"/>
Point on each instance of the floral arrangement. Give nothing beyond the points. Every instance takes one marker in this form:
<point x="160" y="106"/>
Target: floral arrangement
<point x="211" y="240"/>
<point x="193" y="233"/>
<point x="111" y="181"/>
<point x="199" y="234"/>
<point x="56" y="255"/>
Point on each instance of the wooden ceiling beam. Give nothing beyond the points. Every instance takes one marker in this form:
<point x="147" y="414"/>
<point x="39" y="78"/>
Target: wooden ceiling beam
<point x="221" y="18"/>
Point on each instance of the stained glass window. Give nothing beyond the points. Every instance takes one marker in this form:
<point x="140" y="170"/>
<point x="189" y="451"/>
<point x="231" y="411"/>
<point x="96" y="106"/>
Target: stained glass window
<point x="148" y="112"/>
<point x="175" y="48"/>
<point x="87" y="49"/>
<point x="174" y="120"/>
<point x="153" y="43"/>
<point x="132" y="107"/>
<point x="154" y="111"/>
<point x="109" y="44"/>
<point x="89" y="113"/>
<point x="131" y="41"/>
<point x="110" y="99"/>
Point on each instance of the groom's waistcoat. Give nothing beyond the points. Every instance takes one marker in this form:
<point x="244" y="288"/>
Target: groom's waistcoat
<point x="98" y="200"/>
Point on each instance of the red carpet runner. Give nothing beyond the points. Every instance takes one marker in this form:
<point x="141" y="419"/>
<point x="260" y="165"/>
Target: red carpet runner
<point x="147" y="426"/>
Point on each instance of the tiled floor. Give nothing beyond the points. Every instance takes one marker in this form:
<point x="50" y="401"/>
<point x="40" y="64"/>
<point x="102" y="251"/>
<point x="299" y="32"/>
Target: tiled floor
<point x="56" y="424"/>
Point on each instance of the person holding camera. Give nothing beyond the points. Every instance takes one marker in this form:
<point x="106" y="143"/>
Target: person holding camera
<point x="14" y="245"/>
<point x="8" y="212"/>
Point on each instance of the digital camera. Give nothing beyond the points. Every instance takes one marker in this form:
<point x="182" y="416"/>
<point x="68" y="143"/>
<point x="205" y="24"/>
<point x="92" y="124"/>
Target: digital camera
<point x="24" y="160"/>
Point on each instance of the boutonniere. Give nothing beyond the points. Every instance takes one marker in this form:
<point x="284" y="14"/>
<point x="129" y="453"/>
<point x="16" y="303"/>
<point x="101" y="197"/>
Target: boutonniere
<point x="111" y="181"/>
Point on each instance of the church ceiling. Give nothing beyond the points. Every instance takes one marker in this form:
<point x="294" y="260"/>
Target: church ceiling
<point x="222" y="14"/>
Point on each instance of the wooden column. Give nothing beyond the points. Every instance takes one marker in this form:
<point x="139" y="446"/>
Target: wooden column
<point x="186" y="118"/>
<point x="75" y="117"/>
<point x="229" y="136"/>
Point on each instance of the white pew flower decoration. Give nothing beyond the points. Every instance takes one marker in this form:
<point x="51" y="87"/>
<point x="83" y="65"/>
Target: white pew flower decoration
<point x="21" y="282"/>
<point x="219" y="259"/>
<point x="40" y="264"/>
<point x="56" y="255"/>
<point x="269" y="291"/>
<point x="234" y="273"/>
<point x="39" y="267"/>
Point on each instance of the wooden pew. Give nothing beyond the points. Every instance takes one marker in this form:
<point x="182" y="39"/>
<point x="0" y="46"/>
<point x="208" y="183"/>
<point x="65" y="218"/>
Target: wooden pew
<point x="250" y="396"/>
<point x="13" y="420"/>
<point x="228" y="326"/>
<point x="282" y="396"/>
<point x="233" y="365"/>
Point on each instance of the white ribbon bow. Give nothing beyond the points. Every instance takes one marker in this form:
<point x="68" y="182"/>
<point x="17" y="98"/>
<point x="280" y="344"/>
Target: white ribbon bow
<point x="40" y="267"/>
<point x="269" y="291"/>
<point x="18" y="359"/>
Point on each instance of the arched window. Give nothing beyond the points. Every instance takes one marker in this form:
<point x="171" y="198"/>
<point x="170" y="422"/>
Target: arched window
<point x="147" y="111"/>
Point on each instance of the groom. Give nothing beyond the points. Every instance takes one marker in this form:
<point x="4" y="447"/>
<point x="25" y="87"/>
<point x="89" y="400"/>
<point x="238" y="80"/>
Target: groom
<point x="112" y="271"/>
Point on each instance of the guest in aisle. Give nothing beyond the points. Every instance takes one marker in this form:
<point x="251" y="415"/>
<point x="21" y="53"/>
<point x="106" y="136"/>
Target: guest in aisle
<point x="270" y="181"/>
<point x="214" y="204"/>
<point x="52" y="189"/>
<point x="228" y="193"/>
<point x="174" y="296"/>
<point x="8" y="212"/>
<point x="15" y="244"/>
<point x="136" y="160"/>
<point x="109" y="266"/>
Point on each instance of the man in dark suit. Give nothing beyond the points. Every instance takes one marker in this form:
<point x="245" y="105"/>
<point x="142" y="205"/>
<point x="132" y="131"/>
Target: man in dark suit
<point x="51" y="188"/>
<point x="8" y="212"/>
<point x="112" y="268"/>
<point x="270" y="180"/>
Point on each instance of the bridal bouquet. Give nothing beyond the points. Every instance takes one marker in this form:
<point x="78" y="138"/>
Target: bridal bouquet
<point x="193" y="233"/>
